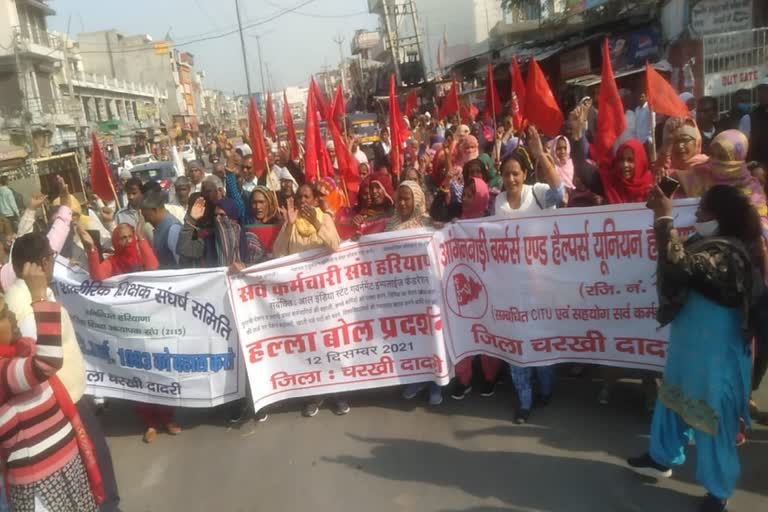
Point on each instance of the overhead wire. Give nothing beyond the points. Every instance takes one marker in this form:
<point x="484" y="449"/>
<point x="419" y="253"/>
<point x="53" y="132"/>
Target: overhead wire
<point x="175" y="44"/>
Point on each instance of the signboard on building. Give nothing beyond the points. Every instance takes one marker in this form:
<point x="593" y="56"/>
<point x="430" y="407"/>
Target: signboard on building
<point x="575" y="63"/>
<point x="634" y="48"/>
<point x="728" y="82"/>
<point x="718" y="16"/>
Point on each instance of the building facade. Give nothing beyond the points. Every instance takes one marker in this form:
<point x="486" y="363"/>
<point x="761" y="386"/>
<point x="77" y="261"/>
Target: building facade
<point x="30" y="104"/>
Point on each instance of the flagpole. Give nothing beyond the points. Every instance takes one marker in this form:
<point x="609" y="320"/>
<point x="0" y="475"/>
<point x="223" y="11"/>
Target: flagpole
<point x="111" y="185"/>
<point x="652" y="152"/>
<point x="492" y="89"/>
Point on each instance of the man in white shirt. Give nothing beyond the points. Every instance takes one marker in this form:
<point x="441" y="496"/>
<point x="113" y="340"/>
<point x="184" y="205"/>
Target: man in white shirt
<point x="629" y="116"/>
<point x="643" y="120"/>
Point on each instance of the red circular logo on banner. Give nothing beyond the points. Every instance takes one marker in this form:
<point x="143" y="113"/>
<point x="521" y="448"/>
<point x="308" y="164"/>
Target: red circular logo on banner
<point x="465" y="293"/>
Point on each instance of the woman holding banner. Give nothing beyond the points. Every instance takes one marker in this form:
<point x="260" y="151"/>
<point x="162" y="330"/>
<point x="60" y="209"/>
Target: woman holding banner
<point x="132" y="254"/>
<point x="474" y="205"/>
<point x="520" y="197"/>
<point x="307" y="227"/>
<point x="411" y="213"/>
<point x="707" y="287"/>
<point x="625" y="179"/>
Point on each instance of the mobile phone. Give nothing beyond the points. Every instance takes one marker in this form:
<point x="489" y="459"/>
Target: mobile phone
<point x="669" y="186"/>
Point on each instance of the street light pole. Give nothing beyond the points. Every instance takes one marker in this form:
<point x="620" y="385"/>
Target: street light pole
<point x="242" y="44"/>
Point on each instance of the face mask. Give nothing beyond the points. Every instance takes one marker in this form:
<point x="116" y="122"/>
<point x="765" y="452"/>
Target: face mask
<point x="743" y="107"/>
<point x="706" y="229"/>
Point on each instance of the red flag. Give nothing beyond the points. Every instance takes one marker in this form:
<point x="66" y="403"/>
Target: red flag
<point x="271" y="125"/>
<point x="518" y="96"/>
<point x="396" y="126"/>
<point x="338" y="109"/>
<point x="467" y="113"/>
<point x="347" y="163"/>
<point x="411" y="103"/>
<point x="451" y="102"/>
<point x="100" y="176"/>
<point x="493" y="106"/>
<point x="310" y="139"/>
<point x="662" y="98"/>
<point x="541" y="107"/>
<point x="288" y="122"/>
<point x="256" y="136"/>
<point x="319" y="101"/>
<point x="611" y="122"/>
<point x="323" y="158"/>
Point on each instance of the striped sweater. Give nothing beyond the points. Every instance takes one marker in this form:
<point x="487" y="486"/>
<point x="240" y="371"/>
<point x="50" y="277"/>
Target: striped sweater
<point x="36" y="439"/>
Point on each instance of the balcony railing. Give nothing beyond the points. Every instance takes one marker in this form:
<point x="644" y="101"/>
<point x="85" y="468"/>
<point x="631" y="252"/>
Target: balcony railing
<point x="95" y="81"/>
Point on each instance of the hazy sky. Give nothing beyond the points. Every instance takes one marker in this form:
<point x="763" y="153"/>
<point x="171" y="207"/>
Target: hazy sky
<point x="293" y="45"/>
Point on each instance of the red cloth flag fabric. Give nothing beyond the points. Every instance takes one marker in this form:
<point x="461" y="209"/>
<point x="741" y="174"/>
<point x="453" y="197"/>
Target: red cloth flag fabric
<point x="293" y="142"/>
<point x="468" y="113"/>
<point x="518" y="96"/>
<point x="347" y="163"/>
<point x="271" y="124"/>
<point x="662" y="98"/>
<point x="396" y="125"/>
<point x="541" y="107"/>
<point x="493" y="106"/>
<point x="338" y="109"/>
<point x="324" y="158"/>
<point x="411" y="103"/>
<point x="256" y="136"/>
<point x="451" y="102"/>
<point x="319" y="101"/>
<point x="611" y="122"/>
<point x="310" y="139"/>
<point x="100" y="175"/>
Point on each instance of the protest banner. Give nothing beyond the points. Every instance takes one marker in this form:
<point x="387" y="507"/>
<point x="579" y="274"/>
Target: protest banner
<point x="365" y="316"/>
<point x="562" y="285"/>
<point x="165" y="337"/>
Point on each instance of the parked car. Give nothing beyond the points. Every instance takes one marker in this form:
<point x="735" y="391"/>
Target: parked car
<point x="164" y="173"/>
<point x="142" y="159"/>
<point x="188" y="153"/>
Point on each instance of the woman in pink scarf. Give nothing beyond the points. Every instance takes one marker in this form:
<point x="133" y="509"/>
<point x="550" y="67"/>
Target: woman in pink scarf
<point x="560" y="151"/>
<point x="681" y="157"/>
<point x="474" y="205"/>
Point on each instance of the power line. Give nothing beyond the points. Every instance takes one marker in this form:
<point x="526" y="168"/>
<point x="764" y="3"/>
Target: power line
<point x="210" y="38"/>
<point x="312" y="15"/>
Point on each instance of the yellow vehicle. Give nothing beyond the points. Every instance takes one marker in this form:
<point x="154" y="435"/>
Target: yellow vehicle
<point x="365" y="127"/>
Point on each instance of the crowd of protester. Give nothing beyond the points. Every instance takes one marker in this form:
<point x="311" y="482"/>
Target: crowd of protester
<point x="234" y="212"/>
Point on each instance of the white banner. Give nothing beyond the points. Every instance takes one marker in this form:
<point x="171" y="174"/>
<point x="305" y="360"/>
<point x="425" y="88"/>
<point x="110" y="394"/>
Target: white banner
<point x="365" y="316"/>
<point x="567" y="285"/>
<point x="165" y="337"/>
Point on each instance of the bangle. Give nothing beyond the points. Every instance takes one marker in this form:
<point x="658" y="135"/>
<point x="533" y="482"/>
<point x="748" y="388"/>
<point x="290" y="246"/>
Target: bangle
<point x="38" y="300"/>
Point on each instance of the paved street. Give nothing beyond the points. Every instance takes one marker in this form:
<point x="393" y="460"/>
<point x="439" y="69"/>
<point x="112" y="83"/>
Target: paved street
<point x="390" y="455"/>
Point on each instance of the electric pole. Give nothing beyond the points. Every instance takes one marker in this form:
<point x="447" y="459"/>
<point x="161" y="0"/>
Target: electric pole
<point x="392" y="41"/>
<point x="242" y="45"/>
<point x="261" y="65"/>
<point x="339" y="39"/>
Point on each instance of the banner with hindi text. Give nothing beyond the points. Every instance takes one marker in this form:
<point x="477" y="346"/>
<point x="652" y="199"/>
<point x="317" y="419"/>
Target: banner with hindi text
<point x="365" y="316"/>
<point x="165" y="337"/>
<point x="571" y="285"/>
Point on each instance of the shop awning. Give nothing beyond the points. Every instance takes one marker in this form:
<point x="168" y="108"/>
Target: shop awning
<point x="590" y="80"/>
